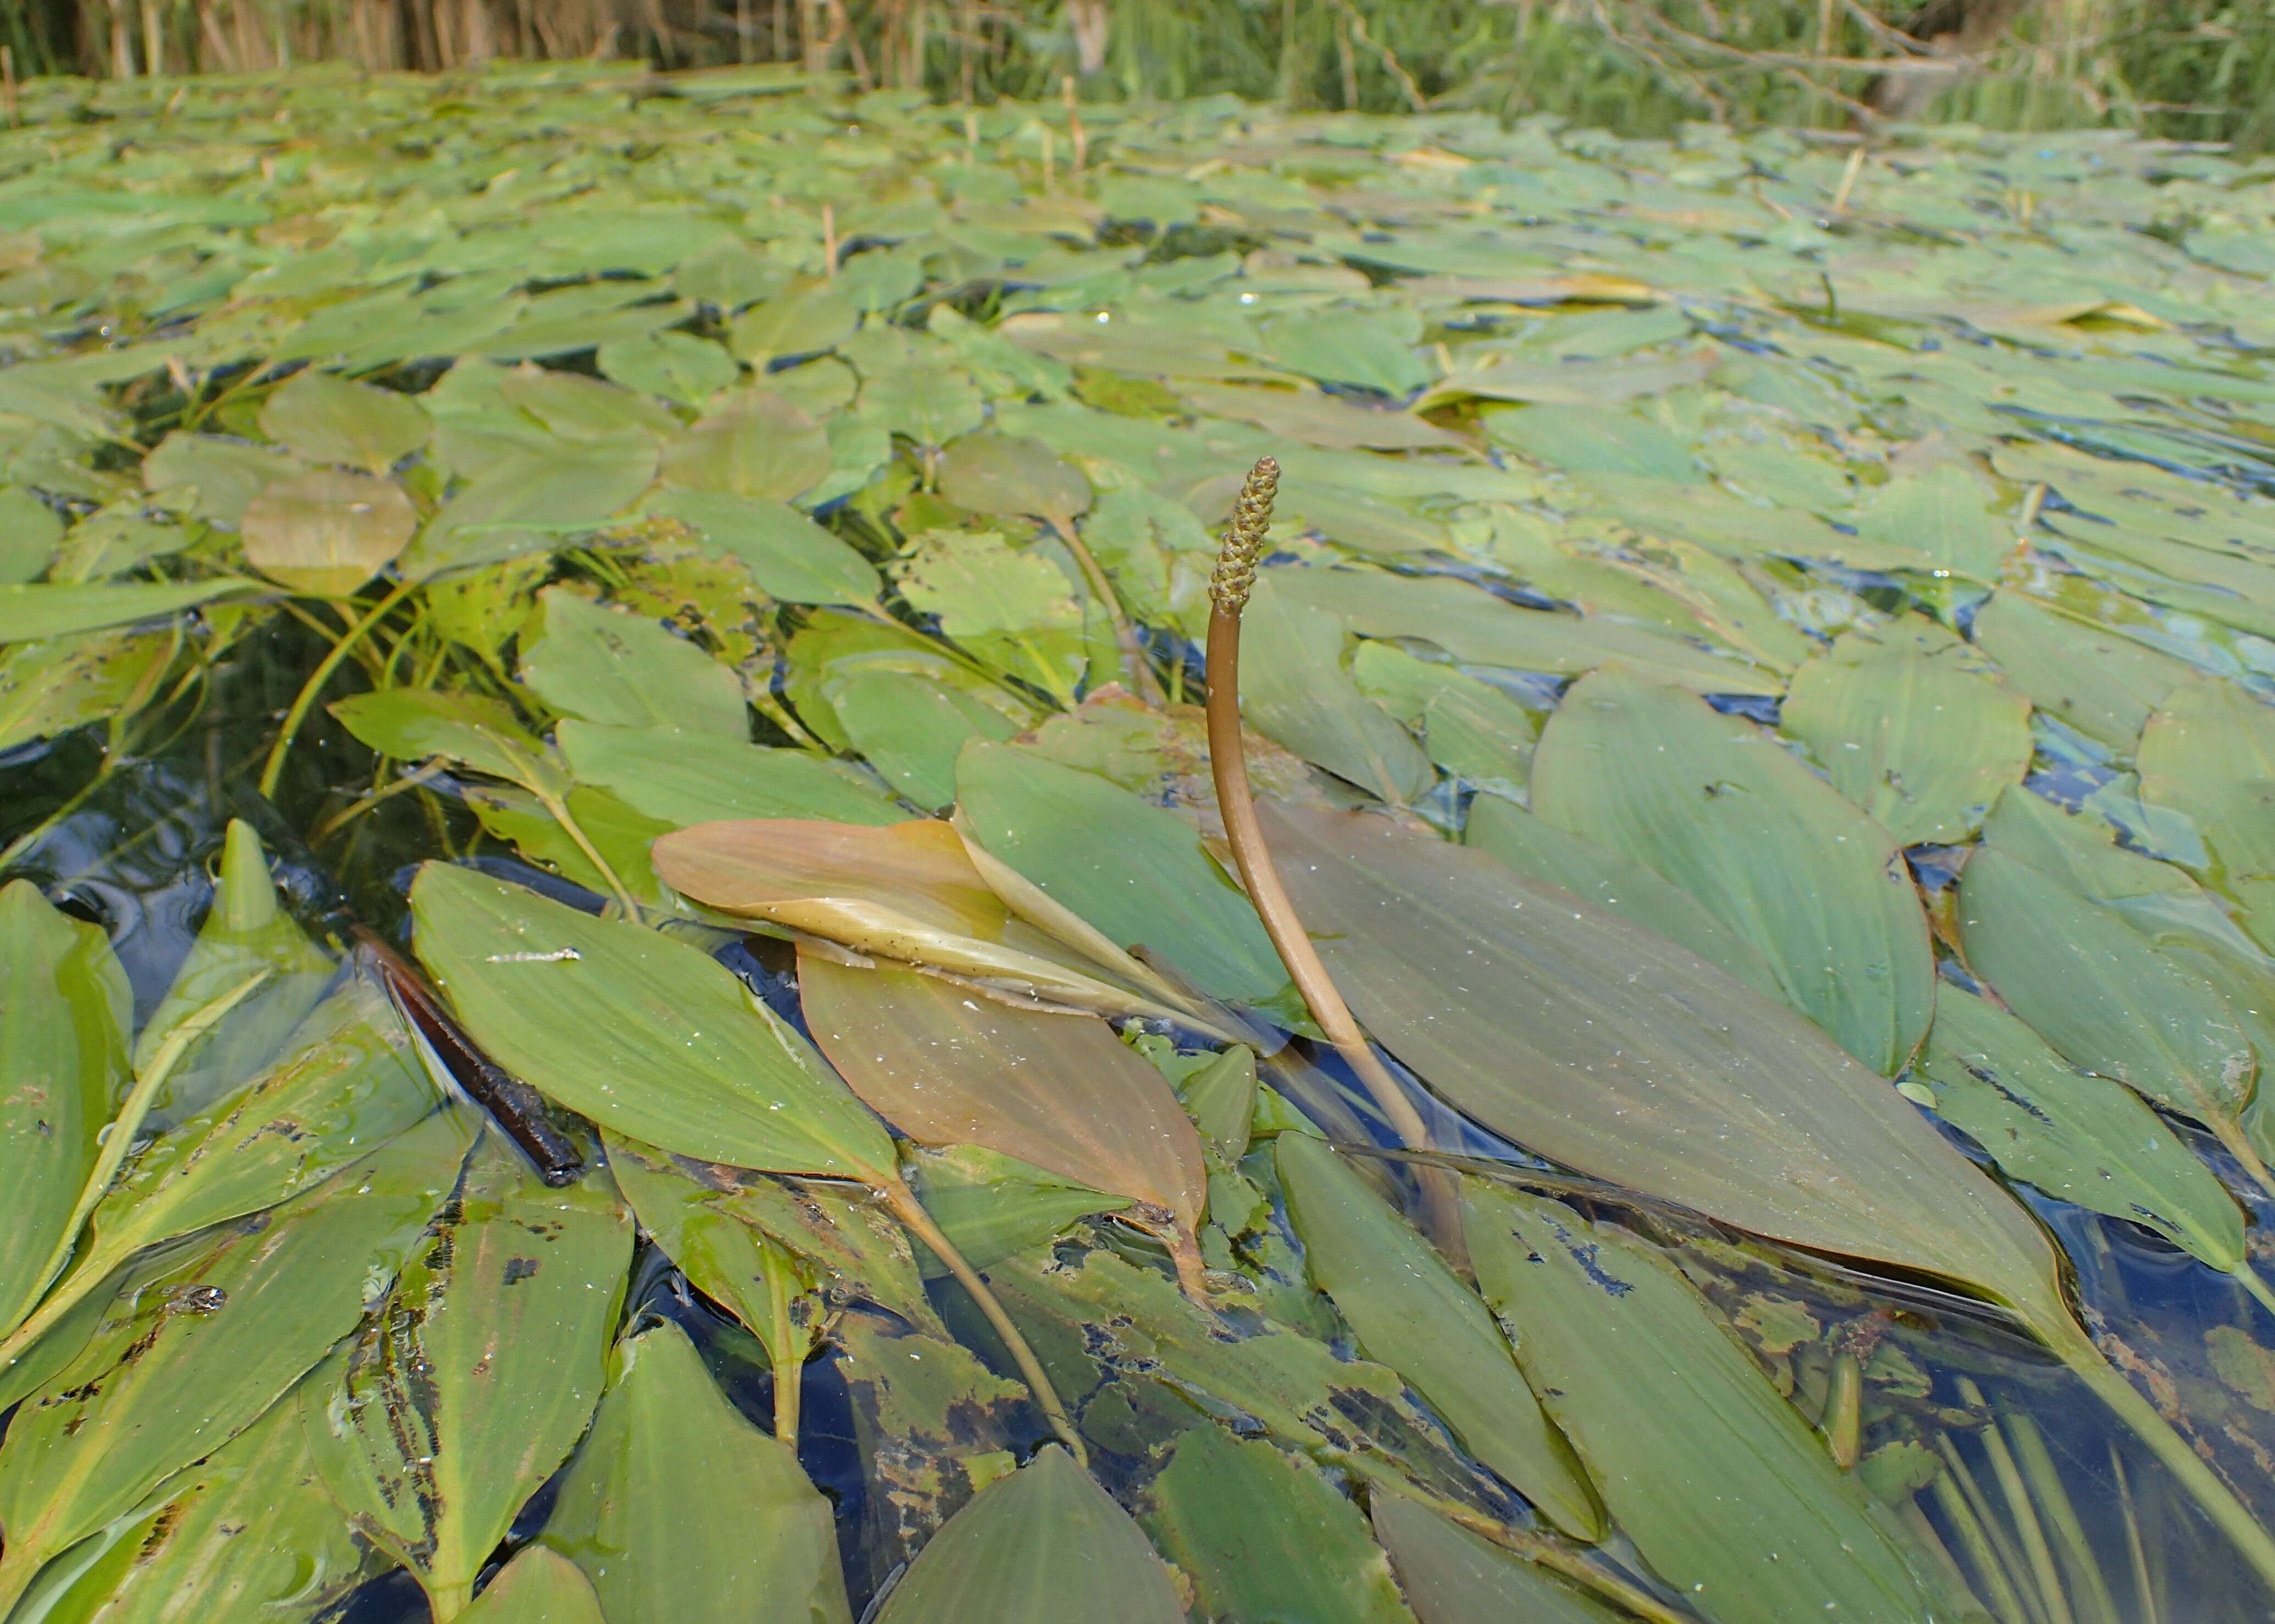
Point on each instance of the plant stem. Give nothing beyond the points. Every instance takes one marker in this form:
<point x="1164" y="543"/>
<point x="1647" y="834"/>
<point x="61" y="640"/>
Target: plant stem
<point x="1228" y="765"/>
<point x="1990" y="1571"/>
<point x="307" y="698"/>
<point x="911" y="1212"/>
<point x="1141" y="677"/>
<point x="788" y="1373"/>
<point x="2025" y="1515"/>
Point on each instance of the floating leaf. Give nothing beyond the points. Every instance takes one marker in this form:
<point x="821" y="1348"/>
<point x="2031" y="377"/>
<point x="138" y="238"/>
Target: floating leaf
<point x="1060" y="1092"/>
<point x="1264" y="1536"/>
<point x="1469" y="728"/>
<point x="246" y="931"/>
<point x="2076" y="1137"/>
<point x="29" y="613"/>
<point x="218" y="476"/>
<point x="2210" y="753"/>
<point x="64" y="1012"/>
<point x="189" y="1554"/>
<point x="676" y="1507"/>
<point x="1016" y="609"/>
<point x="1009" y="475"/>
<point x="1389" y="1285"/>
<point x="51" y="686"/>
<point x="1716" y="805"/>
<point x="687" y="780"/>
<point x="1728" y="1493"/>
<point x="1220" y="1097"/>
<point x="1910" y="725"/>
<point x="1453" y="1576"/>
<point x="1601" y="877"/>
<point x="1946" y="513"/>
<point x="540" y="1586"/>
<point x="789" y="555"/>
<point x="643" y="1034"/>
<point x="324" y="417"/>
<point x="626" y="670"/>
<point x="238" y="1327"/>
<point x="326" y="532"/>
<point x="909" y="892"/>
<point x="29" y="531"/>
<point x="413" y="724"/>
<point x="2103" y="684"/>
<point x="470" y="1385"/>
<point x="992" y="1205"/>
<point x="1027" y="1546"/>
<point x="1294" y="689"/>
<point x="1137" y="873"/>
<point x="679" y="367"/>
<point x="530" y="501"/>
<point x="758" y="445"/>
<point x="912" y="729"/>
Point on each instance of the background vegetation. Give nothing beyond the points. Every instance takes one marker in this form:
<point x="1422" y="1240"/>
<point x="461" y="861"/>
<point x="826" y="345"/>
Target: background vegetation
<point x="2193" y="69"/>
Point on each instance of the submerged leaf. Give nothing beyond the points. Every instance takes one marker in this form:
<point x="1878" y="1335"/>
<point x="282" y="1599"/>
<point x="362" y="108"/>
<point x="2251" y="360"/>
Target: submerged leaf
<point x="643" y="1034"/>
<point x="1725" y="1489"/>
<point x="1409" y="1312"/>
<point x="466" y="1389"/>
<point x="1718" y="806"/>
<point x="676" y="1507"/>
<point x="1033" y="1548"/>
<point x="1453" y="1576"/>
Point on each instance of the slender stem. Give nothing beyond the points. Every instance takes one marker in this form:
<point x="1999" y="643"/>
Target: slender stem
<point x="2006" y="1605"/>
<point x="307" y="698"/>
<point x="120" y="1135"/>
<point x="2025" y="1515"/>
<point x="2054" y="1503"/>
<point x="1141" y="677"/>
<point x="2248" y="1278"/>
<point x="920" y="1223"/>
<point x="2014" y="1572"/>
<point x="558" y="807"/>
<point x="2144" y="1584"/>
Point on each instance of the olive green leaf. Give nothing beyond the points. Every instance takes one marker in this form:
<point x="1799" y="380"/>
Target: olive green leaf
<point x="618" y="834"/>
<point x="2210" y="753"/>
<point x="1295" y="691"/>
<point x="1597" y="875"/>
<point x="29" y="531"/>
<point x="1453" y="1576"/>
<point x="912" y="729"/>
<point x="51" y="686"/>
<point x="2074" y="1136"/>
<point x="530" y="500"/>
<point x="31" y="613"/>
<point x="645" y="1035"/>
<point x="679" y="367"/>
<point x="1728" y="1493"/>
<point x="1912" y="726"/>
<point x="1057" y="1091"/>
<point x="684" y="780"/>
<point x="1008" y="475"/>
<point x="1469" y="728"/>
<point x="460" y="1394"/>
<point x="189" y="1549"/>
<point x="756" y="445"/>
<point x="1410" y="1312"/>
<point x="217" y="476"/>
<point x="2104" y="685"/>
<point x="1015" y="609"/>
<point x="326" y="532"/>
<point x="413" y="724"/>
<point x="1946" y="512"/>
<point x="65" y="1011"/>
<point x="246" y="931"/>
<point x="1137" y="873"/>
<point x="238" y="1326"/>
<point x="1220" y="1097"/>
<point x="540" y="1586"/>
<point x="992" y="1205"/>
<point x="324" y="417"/>
<point x="1715" y="805"/>
<point x="1040" y="1545"/>
<point x="625" y="670"/>
<point x="1264" y="1536"/>
<point x="676" y="1507"/>
<point x="790" y="556"/>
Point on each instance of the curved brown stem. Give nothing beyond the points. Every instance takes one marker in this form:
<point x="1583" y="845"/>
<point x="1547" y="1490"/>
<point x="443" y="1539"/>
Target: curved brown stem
<point x="1228" y="765"/>
<point x="1141" y="677"/>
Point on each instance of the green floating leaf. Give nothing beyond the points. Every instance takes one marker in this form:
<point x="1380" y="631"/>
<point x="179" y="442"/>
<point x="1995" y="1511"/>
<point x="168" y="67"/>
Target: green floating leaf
<point x="540" y="1586"/>
<point x="413" y="724"/>
<point x="53" y="685"/>
<point x="28" y="614"/>
<point x="1265" y="1536"/>
<point x="756" y="445"/>
<point x="993" y="1205"/>
<point x="626" y="670"/>
<point x="1409" y="1312"/>
<point x="1910" y="724"/>
<point x="246" y="931"/>
<point x="1014" y="608"/>
<point x="1469" y="728"/>
<point x="912" y="729"/>
<point x="1728" y="1493"/>
<point x="2074" y="1136"/>
<point x="685" y="780"/>
<point x="29" y="531"/>
<point x="676" y="1507"/>
<point x="1601" y="877"/>
<point x="621" y="835"/>
<point x="2103" y="684"/>
<point x="1453" y="1576"/>
<point x="679" y="367"/>
<point x="326" y="532"/>
<point x="326" y="418"/>
<point x="1031" y="1545"/>
<point x="1946" y="513"/>
<point x="64" y="1013"/>
<point x="1220" y="1097"/>
<point x="1295" y="691"/>
<point x="1137" y="873"/>
<point x="530" y="500"/>
<point x="1605" y="1048"/>
<point x="1588" y="440"/>
<point x="190" y="1556"/>
<point x="1719" y="807"/>
<point x="219" y="477"/>
<point x="790" y="556"/>
<point x="238" y="1327"/>
<point x="641" y="1033"/>
<point x="466" y="1389"/>
<point x="2210" y="754"/>
<point x="1059" y="1092"/>
<point x="1009" y="475"/>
